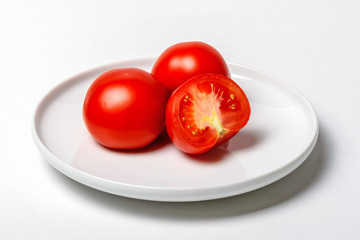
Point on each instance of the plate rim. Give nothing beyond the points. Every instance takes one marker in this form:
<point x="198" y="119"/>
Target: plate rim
<point x="169" y="194"/>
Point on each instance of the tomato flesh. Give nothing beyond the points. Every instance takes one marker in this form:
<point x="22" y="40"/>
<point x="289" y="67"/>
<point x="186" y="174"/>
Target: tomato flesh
<point x="205" y="112"/>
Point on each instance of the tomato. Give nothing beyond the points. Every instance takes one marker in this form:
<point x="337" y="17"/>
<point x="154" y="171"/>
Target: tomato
<point x="185" y="60"/>
<point x="206" y="111"/>
<point x="125" y="108"/>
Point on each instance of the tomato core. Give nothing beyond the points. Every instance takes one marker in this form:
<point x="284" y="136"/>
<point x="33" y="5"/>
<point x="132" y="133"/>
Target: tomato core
<point x="202" y="108"/>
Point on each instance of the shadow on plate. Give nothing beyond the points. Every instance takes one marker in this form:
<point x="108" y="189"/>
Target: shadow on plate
<point x="160" y="142"/>
<point x="242" y="140"/>
<point x="269" y="196"/>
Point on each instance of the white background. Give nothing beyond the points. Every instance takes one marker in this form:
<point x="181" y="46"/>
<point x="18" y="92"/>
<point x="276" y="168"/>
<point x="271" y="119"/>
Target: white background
<point x="313" y="45"/>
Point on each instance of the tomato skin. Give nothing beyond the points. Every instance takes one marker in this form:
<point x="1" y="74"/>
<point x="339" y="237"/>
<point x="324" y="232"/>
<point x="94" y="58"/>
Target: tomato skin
<point x="185" y="60"/>
<point x="124" y="108"/>
<point x="189" y="104"/>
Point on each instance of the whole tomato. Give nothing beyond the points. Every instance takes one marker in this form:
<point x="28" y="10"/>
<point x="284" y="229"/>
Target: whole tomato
<point x="124" y="108"/>
<point x="185" y="60"/>
<point x="206" y="111"/>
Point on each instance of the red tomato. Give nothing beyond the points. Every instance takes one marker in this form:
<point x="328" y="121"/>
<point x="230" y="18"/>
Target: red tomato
<point x="206" y="111"/>
<point x="124" y="108"/>
<point x="185" y="60"/>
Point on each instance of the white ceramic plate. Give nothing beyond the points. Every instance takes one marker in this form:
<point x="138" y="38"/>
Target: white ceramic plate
<point x="281" y="133"/>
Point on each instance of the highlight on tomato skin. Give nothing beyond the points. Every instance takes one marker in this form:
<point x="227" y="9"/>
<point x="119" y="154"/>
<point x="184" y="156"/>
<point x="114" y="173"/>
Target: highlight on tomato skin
<point x="205" y="112"/>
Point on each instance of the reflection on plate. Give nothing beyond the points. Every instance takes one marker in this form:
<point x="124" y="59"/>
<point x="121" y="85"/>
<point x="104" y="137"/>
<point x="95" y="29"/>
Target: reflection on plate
<point x="281" y="133"/>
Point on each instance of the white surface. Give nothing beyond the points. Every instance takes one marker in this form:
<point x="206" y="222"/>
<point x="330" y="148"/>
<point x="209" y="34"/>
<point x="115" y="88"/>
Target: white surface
<point x="313" y="45"/>
<point x="255" y="157"/>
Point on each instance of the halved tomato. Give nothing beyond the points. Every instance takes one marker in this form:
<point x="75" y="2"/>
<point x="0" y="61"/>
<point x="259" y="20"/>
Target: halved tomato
<point x="206" y="111"/>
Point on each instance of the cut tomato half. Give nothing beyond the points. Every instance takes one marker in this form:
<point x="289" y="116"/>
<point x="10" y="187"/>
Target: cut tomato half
<point x="206" y="111"/>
